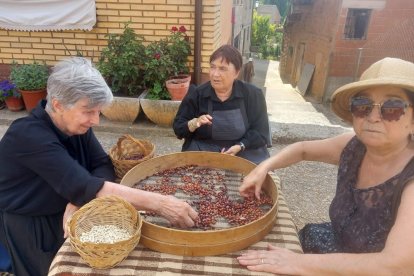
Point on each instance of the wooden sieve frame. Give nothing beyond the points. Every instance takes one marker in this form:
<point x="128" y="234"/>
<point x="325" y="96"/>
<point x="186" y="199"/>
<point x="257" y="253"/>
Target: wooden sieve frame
<point x="209" y="242"/>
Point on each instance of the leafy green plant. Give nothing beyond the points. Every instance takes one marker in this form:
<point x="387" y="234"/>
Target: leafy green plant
<point x="265" y="37"/>
<point x="29" y="76"/>
<point x="158" y="67"/>
<point x="165" y="58"/>
<point x="122" y="62"/>
<point x="179" y="49"/>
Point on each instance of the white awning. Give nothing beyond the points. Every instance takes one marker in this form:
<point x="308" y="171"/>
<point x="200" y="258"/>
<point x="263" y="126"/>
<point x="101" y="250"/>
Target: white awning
<point x="47" y="15"/>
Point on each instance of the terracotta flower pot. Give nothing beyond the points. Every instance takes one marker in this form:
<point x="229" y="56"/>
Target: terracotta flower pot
<point x="14" y="103"/>
<point x="178" y="86"/>
<point x="32" y="97"/>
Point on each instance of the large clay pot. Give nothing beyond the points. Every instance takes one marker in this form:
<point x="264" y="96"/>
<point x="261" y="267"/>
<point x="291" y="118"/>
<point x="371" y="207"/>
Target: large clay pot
<point x="32" y="97"/>
<point x="14" y="103"/>
<point x="178" y="86"/>
<point x="160" y="112"/>
<point x="123" y="109"/>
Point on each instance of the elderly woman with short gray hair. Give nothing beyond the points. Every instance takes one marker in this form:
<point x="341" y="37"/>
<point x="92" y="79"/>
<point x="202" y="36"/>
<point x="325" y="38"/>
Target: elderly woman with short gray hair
<point x="52" y="163"/>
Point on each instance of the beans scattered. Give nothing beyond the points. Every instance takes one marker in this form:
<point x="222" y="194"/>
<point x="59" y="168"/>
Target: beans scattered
<point x="212" y="192"/>
<point x="105" y="234"/>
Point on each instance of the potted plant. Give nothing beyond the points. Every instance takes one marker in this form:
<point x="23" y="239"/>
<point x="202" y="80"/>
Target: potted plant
<point x="179" y="47"/>
<point x="31" y="81"/>
<point x="165" y="58"/>
<point x="121" y="64"/>
<point x="10" y="95"/>
<point x="166" y="65"/>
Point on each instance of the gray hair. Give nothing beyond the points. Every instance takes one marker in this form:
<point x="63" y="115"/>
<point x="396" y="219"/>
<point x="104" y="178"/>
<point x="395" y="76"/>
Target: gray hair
<point x="76" y="78"/>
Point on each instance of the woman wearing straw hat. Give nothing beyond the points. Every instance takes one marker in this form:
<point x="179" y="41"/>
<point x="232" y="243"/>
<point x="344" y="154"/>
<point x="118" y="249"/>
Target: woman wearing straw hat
<point x="51" y="162"/>
<point x="372" y="218"/>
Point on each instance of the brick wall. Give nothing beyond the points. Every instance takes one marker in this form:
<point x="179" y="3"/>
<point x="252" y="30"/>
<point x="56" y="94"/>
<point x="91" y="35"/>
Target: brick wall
<point x="390" y="34"/>
<point x="151" y="18"/>
<point x="309" y="39"/>
<point x="319" y="30"/>
<point x="387" y="21"/>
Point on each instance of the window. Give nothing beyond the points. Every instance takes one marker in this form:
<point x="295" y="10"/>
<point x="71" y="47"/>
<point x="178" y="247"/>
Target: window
<point x="303" y="2"/>
<point x="356" y="25"/>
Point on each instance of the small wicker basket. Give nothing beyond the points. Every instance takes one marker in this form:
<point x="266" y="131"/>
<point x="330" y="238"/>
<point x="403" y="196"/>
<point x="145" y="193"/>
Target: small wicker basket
<point x="129" y="147"/>
<point x="109" y="210"/>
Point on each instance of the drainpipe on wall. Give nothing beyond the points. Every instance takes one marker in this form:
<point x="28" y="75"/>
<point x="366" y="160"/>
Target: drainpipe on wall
<point x="358" y="64"/>
<point x="197" y="42"/>
<point x="233" y="20"/>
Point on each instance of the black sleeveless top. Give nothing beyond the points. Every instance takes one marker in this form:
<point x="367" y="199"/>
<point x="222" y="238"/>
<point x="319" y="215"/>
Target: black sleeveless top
<point x="362" y="218"/>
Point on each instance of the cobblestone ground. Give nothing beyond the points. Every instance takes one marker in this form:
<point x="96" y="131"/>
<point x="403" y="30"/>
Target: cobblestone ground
<point x="308" y="188"/>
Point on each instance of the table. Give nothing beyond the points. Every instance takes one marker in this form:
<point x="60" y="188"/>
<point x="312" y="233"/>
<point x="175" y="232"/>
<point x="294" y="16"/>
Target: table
<point x="143" y="261"/>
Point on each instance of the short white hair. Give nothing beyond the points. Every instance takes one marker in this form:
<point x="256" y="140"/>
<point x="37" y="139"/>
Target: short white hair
<point x="76" y="78"/>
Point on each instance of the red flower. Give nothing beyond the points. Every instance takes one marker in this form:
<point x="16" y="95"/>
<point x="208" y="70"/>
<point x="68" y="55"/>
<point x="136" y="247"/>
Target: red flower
<point x="157" y="56"/>
<point x="182" y="29"/>
<point x="174" y="29"/>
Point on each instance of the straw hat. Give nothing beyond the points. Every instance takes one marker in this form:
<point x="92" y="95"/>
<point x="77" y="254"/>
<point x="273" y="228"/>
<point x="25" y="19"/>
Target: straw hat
<point x="387" y="71"/>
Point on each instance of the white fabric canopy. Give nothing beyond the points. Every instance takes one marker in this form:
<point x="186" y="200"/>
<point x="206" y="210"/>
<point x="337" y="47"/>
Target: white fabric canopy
<point x="47" y="15"/>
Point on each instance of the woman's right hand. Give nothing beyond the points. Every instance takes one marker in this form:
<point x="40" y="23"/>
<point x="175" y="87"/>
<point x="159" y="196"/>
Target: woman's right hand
<point x="252" y="183"/>
<point x="204" y="120"/>
<point x="177" y="212"/>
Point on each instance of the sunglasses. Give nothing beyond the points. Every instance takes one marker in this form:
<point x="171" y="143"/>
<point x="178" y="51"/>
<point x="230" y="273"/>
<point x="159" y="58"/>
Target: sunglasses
<point x="390" y="110"/>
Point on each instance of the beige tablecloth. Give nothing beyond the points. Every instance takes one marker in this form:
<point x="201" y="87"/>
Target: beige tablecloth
<point x="143" y="261"/>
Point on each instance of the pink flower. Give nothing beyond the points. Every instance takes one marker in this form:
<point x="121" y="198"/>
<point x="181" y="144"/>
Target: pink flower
<point x="182" y="29"/>
<point x="157" y="56"/>
<point x="174" y="29"/>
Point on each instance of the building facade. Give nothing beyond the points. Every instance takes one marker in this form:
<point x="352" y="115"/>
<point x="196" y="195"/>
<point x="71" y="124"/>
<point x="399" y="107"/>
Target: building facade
<point x="221" y="22"/>
<point x="341" y="38"/>
<point x="271" y="11"/>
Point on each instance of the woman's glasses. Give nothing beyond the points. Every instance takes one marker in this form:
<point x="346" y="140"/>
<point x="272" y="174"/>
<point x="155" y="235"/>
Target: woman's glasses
<point x="391" y="109"/>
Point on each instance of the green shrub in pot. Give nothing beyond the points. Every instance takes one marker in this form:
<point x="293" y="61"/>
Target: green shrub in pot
<point x="166" y="58"/>
<point x="121" y="62"/>
<point x="29" y="76"/>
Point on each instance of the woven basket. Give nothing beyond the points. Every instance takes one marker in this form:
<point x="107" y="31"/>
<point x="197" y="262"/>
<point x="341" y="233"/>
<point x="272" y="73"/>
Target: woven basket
<point x="109" y="210"/>
<point x="127" y="147"/>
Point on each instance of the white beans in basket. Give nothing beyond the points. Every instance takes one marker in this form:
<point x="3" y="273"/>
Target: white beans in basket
<point x="105" y="234"/>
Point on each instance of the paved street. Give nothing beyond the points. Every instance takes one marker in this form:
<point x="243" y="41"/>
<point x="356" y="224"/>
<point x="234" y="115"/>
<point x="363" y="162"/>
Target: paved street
<point x="308" y="187"/>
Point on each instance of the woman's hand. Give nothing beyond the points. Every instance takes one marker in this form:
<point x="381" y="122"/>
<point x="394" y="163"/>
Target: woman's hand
<point x="177" y="212"/>
<point x="204" y="120"/>
<point x="70" y="209"/>
<point x="233" y="150"/>
<point x="195" y="123"/>
<point x="252" y="183"/>
<point x="274" y="260"/>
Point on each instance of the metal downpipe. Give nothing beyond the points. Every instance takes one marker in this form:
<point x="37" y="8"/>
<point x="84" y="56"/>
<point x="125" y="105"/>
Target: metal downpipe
<point x="197" y="41"/>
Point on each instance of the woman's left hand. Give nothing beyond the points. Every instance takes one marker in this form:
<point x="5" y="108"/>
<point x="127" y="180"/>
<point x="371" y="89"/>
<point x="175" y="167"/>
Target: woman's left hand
<point x="70" y="209"/>
<point x="274" y="260"/>
<point x="233" y="150"/>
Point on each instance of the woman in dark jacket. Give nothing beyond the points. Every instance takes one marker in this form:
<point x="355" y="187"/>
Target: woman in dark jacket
<point x="225" y="114"/>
